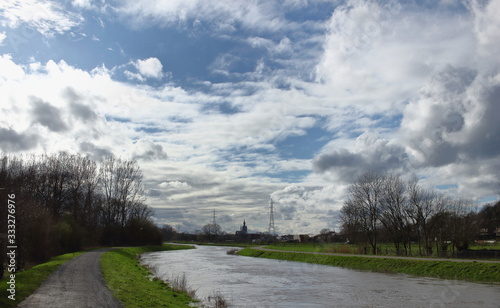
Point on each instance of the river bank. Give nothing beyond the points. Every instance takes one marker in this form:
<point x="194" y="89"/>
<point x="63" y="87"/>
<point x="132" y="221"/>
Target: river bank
<point x="468" y="271"/>
<point x="132" y="284"/>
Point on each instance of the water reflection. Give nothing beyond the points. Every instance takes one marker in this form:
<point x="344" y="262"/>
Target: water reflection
<point x="256" y="282"/>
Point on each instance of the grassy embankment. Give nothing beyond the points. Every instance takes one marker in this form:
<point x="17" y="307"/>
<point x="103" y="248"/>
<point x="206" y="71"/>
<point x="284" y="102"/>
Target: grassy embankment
<point x="29" y="280"/>
<point x="470" y="271"/>
<point x="229" y="244"/>
<point x="131" y="284"/>
<point x="385" y="248"/>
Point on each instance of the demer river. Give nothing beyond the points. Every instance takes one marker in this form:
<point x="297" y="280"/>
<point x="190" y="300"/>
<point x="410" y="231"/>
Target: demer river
<point x="258" y="282"/>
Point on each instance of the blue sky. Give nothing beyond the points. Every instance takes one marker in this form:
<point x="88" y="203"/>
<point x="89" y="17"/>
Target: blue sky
<point x="225" y="103"/>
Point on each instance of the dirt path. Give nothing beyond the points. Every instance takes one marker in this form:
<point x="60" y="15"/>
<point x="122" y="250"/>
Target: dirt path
<point x="372" y="256"/>
<point x="77" y="283"/>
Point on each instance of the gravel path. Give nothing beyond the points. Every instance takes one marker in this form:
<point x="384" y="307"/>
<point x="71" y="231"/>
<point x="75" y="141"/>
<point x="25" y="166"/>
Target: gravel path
<point x="379" y="257"/>
<point x="77" y="283"/>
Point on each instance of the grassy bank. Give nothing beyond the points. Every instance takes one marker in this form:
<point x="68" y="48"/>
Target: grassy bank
<point x="131" y="284"/>
<point x="29" y="280"/>
<point x="470" y="271"/>
<point x="229" y="244"/>
<point x="386" y="249"/>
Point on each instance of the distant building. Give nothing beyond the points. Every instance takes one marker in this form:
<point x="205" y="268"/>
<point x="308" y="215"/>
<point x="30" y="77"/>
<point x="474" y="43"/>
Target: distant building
<point x="243" y="229"/>
<point x="327" y="237"/>
<point x="243" y="236"/>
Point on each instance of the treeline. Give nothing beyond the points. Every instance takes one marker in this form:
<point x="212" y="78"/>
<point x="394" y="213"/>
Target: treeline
<point x="64" y="203"/>
<point x="384" y="207"/>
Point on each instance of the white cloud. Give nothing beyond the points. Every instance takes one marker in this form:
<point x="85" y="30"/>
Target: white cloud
<point x="2" y="37"/>
<point x="47" y="17"/>
<point x="487" y="30"/>
<point x="9" y="70"/>
<point x="222" y="16"/>
<point x="86" y="4"/>
<point x="376" y="57"/>
<point x="175" y="185"/>
<point x="133" y="76"/>
<point x="150" y="67"/>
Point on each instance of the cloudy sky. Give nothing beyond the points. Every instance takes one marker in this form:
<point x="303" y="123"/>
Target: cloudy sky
<point x="224" y="103"/>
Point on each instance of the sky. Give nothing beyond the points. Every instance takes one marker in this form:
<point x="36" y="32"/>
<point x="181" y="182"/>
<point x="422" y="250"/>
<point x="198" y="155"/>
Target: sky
<point x="227" y="103"/>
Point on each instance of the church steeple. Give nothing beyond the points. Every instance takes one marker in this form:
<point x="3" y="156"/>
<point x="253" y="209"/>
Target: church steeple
<point x="243" y="229"/>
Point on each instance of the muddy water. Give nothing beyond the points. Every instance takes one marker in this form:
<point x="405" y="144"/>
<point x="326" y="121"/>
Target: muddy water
<point x="256" y="282"/>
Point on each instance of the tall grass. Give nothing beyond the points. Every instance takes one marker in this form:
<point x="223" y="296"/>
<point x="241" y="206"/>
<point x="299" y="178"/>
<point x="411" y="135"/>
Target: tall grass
<point x="179" y="283"/>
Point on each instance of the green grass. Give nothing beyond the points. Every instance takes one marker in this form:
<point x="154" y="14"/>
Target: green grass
<point x="230" y="244"/>
<point x="131" y="284"/>
<point x="485" y="246"/>
<point x="470" y="271"/>
<point x="29" y="280"/>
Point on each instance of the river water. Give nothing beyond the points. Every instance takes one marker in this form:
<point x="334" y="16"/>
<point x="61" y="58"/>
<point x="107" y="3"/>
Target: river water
<point x="257" y="282"/>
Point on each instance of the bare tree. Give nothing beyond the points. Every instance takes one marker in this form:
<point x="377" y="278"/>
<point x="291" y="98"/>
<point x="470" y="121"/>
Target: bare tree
<point x="82" y="187"/>
<point x="394" y="211"/>
<point x="464" y="223"/>
<point x="352" y="222"/>
<point x="365" y="197"/>
<point x="168" y="232"/>
<point x="122" y="189"/>
<point x="424" y="209"/>
<point x="211" y="231"/>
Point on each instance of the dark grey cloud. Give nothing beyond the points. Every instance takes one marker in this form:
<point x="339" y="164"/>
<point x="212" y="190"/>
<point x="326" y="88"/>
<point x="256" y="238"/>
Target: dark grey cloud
<point x="285" y="212"/>
<point x="448" y="82"/>
<point x="95" y="152"/>
<point x="372" y="154"/>
<point x="170" y="213"/>
<point x="12" y="141"/>
<point x="339" y="158"/>
<point x="485" y="136"/>
<point x="148" y="151"/>
<point x="83" y="112"/>
<point x="77" y="107"/>
<point x="155" y="193"/>
<point x="47" y="115"/>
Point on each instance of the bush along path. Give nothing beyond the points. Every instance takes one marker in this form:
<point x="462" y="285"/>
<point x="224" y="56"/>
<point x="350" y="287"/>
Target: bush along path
<point x="474" y="271"/>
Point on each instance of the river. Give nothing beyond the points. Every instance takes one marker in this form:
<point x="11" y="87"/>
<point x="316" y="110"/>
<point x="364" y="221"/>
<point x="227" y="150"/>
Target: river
<point x="257" y="282"/>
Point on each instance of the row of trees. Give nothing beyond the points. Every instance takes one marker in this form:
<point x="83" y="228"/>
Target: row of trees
<point x="66" y="202"/>
<point x="386" y="207"/>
